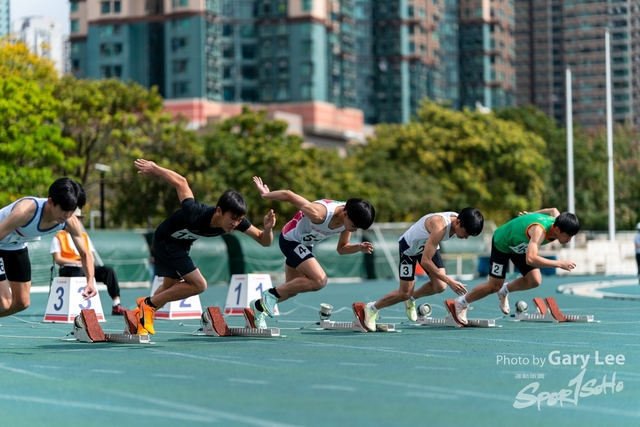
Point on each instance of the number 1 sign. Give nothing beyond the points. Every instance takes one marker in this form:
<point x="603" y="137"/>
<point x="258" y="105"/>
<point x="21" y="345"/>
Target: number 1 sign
<point x="243" y="289"/>
<point x="66" y="300"/>
<point x="188" y="308"/>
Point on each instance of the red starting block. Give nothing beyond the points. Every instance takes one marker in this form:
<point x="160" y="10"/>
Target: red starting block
<point x="547" y="310"/>
<point x="213" y="324"/>
<point x="87" y="329"/>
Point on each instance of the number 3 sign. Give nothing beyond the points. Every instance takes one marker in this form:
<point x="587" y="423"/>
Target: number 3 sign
<point x="66" y="300"/>
<point x="243" y="289"/>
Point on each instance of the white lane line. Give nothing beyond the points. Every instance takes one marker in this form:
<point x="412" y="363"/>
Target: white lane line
<point x="247" y="381"/>
<point x="431" y="395"/>
<point x="288" y="360"/>
<point x="358" y="364"/>
<point x="108" y="408"/>
<point x="180" y="377"/>
<point x="105" y="371"/>
<point x="159" y="402"/>
<point x="23" y="372"/>
<point x="384" y="349"/>
<point x="213" y="359"/>
<point x="333" y="387"/>
<point x="437" y="368"/>
<point x="46" y="367"/>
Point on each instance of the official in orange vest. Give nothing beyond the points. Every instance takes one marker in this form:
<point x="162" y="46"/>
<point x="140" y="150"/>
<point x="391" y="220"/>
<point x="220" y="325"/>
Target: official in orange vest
<point x="66" y="256"/>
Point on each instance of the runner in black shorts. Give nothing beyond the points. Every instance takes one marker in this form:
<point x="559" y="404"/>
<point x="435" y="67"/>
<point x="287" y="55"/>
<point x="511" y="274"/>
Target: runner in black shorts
<point x="174" y="237"/>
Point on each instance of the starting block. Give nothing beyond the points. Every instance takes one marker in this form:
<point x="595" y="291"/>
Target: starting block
<point x="87" y="329"/>
<point x="213" y="324"/>
<point x="547" y="310"/>
<point x="358" y="323"/>
<point x="450" y="321"/>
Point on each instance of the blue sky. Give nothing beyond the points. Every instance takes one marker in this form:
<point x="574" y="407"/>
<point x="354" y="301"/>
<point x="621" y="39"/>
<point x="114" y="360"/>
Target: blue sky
<point x="56" y="9"/>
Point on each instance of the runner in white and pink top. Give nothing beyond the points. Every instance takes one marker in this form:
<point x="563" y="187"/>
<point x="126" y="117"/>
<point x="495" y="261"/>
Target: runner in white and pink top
<point x="316" y="221"/>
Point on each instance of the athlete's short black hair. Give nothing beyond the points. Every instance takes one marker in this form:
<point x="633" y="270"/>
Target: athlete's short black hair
<point x="68" y="194"/>
<point x="360" y="212"/>
<point x="568" y="223"/>
<point x="471" y="220"/>
<point x="232" y="201"/>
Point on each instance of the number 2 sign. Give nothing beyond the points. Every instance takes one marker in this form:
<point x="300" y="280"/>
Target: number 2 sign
<point x="188" y="308"/>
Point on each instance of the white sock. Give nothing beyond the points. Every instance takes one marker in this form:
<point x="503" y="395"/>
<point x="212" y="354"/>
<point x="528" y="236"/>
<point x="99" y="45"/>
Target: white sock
<point x="463" y="301"/>
<point x="412" y="299"/>
<point x="372" y="306"/>
<point x="503" y="290"/>
<point x="116" y="302"/>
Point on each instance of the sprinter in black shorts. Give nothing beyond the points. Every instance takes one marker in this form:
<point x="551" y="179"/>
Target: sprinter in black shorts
<point x="174" y="237"/>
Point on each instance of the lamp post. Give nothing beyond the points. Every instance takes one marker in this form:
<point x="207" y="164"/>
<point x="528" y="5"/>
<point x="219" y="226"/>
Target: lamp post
<point x="102" y="168"/>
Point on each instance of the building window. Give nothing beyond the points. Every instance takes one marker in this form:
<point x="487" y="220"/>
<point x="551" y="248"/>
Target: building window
<point x="75" y="26"/>
<point x="179" y="43"/>
<point x="227" y="30"/>
<point x="249" y="72"/>
<point x="307" y="5"/>
<point x="248" y="94"/>
<point x="116" y="6"/>
<point x="305" y="91"/>
<point x="180" y="3"/>
<point x="228" y="51"/>
<point x="117" y="71"/>
<point x="180" y="66"/>
<point x="105" y="49"/>
<point x="180" y="88"/>
<point x="105" y="7"/>
<point x="229" y="93"/>
<point x="247" y="31"/>
<point x="227" y="72"/>
<point x="75" y="48"/>
<point x="248" y="51"/>
<point x="73" y="7"/>
<point x="117" y="48"/>
<point x="105" y="71"/>
<point x="75" y="65"/>
<point x="283" y="92"/>
<point x="305" y="69"/>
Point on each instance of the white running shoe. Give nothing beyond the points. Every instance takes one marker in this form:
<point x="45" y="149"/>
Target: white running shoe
<point x="504" y="303"/>
<point x="370" y="318"/>
<point x="412" y="314"/>
<point x="269" y="302"/>
<point x="259" y="317"/>
<point x="460" y="312"/>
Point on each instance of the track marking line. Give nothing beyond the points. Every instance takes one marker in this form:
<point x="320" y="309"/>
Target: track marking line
<point x="108" y="408"/>
<point x="333" y="387"/>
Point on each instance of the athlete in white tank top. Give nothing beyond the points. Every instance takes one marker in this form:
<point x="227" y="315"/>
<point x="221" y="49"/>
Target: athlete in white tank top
<point x="19" y="237"/>
<point x="417" y="235"/>
<point x="419" y="246"/>
<point x="315" y="221"/>
<point x="301" y="229"/>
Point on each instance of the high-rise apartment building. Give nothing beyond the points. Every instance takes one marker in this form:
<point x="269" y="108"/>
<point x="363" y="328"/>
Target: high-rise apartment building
<point x="5" y="17"/>
<point x="487" y="53"/>
<point x="334" y="62"/>
<point x="43" y="36"/>
<point x="554" y="34"/>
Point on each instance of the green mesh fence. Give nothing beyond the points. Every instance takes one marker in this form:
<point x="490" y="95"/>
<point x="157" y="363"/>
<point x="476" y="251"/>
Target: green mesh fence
<point x="212" y="258"/>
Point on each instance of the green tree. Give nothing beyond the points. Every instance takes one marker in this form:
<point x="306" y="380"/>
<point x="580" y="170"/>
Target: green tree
<point x="454" y="159"/>
<point x="31" y="144"/>
<point x="250" y="145"/>
<point x="112" y="123"/>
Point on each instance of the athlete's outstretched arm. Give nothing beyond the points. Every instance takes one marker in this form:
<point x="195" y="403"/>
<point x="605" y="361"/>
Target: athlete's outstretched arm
<point x="547" y="211"/>
<point x="74" y="228"/>
<point x="315" y="211"/>
<point x="176" y="180"/>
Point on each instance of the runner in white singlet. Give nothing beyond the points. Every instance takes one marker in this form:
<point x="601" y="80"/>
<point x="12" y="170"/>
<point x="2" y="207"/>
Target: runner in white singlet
<point x="26" y="220"/>
<point x="316" y="221"/>
<point x="420" y="244"/>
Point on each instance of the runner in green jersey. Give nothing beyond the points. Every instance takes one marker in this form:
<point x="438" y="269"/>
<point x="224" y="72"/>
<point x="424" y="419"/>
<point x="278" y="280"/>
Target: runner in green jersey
<point x="519" y="240"/>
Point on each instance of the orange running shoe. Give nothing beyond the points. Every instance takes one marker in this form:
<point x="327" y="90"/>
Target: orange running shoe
<point x="145" y="317"/>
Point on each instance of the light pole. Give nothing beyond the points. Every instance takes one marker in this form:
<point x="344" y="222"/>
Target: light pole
<point x="102" y="168"/>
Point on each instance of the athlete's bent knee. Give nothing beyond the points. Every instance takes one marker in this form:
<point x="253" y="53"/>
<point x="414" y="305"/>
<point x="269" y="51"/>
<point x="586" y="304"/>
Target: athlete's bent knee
<point x="317" y="284"/>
